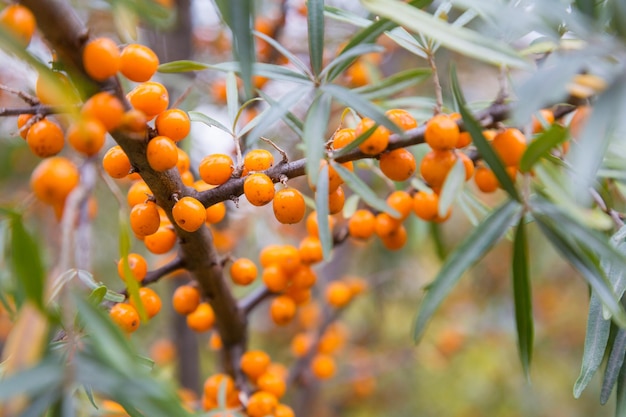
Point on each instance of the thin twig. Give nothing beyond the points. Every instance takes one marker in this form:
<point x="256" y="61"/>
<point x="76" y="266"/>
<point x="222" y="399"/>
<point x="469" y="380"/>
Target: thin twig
<point x="156" y="274"/>
<point x="615" y="215"/>
<point x="436" y="83"/>
<point x="250" y="301"/>
<point x="39" y="109"/>
<point x="32" y="100"/>
<point x="278" y="148"/>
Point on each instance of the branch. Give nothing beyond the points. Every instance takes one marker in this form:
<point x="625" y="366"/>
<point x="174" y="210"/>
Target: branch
<point x="38" y="109"/>
<point x="156" y="274"/>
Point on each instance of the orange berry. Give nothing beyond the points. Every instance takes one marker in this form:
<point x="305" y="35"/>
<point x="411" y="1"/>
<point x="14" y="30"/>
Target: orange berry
<point x="188" y="179"/>
<point x="86" y="136"/>
<point x="138" y="193"/>
<point x="289" y="206"/>
<point x="486" y="180"/>
<point x="173" y="123"/>
<point x="19" y="21"/>
<point x="53" y="179"/>
<point x="254" y="363"/>
<point x="45" y="138"/>
<point x="343" y="137"/>
<point x="358" y="74"/>
<point x="300" y="344"/>
<point x="426" y="205"/>
<point x="288" y="258"/>
<point x="214" y="384"/>
<point x="303" y="278"/>
<point x="137" y="264"/>
<point x="216" y="169"/>
<point x="334" y="180"/>
<point x="579" y="120"/>
<point x="24" y="120"/>
<point x="282" y="311"/>
<point x="312" y="226"/>
<point x="441" y="132"/>
<point x="468" y="164"/>
<point x="162" y="153"/>
<point x="215" y="341"/>
<point x="464" y="140"/>
<point x="435" y="167"/>
<point x="510" y="145"/>
<point x="261" y="404"/>
<point x="385" y="224"/>
<point x="134" y="121"/>
<point x="189" y="214"/>
<point x="101" y="58"/>
<point x="310" y="250"/>
<point x="243" y="271"/>
<point x="377" y="141"/>
<point x="125" y="316"/>
<point x="298" y="295"/>
<point x="336" y="200"/>
<point x="396" y="239"/>
<point x="402" y="202"/>
<point x="272" y="383"/>
<point x="546" y="116"/>
<point x="184" y="163"/>
<point x="270" y="255"/>
<point x="150" y="300"/>
<point x="218" y="91"/>
<point x="138" y="62"/>
<point x="55" y="88"/>
<point x="398" y="165"/>
<point x="323" y="366"/>
<point x="401" y="118"/>
<point x="338" y="294"/>
<point x="163" y="351"/>
<point x="106" y="108"/>
<point x="274" y="278"/>
<point x="185" y="299"/>
<point x="216" y="212"/>
<point x="357" y="285"/>
<point x="362" y="224"/>
<point x="162" y="241"/>
<point x="150" y="97"/>
<point x="201" y="319"/>
<point x="258" y="160"/>
<point x="145" y="219"/>
<point x="333" y="339"/>
<point x="259" y="189"/>
<point x="112" y="409"/>
<point x="283" y="410"/>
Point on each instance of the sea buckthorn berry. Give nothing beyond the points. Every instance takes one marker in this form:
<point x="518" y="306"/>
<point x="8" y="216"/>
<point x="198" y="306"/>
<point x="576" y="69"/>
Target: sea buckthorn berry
<point x="310" y="250"/>
<point x="468" y="164"/>
<point x="101" y="58"/>
<point x="173" y="123"/>
<point x="259" y="189"/>
<point x="216" y="169"/>
<point x="24" y="123"/>
<point x="283" y="410"/>
<point x="272" y="383"/>
<point x="397" y="238"/>
<point x="216" y="212"/>
<point x="134" y="121"/>
<point x="184" y="163"/>
<point x="137" y="264"/>
<point x="243" y="271"/>
<point x="56" y="89"/>
<point x="270" y="255"/>
<point x="112" y="409"/>
<point x="150" y="300"/>
<point x="357" y="285"/>
<point x="358" y="74"/>
<point x="336" y="201"/>
<point x="214" y="383"/>
<point x="187" y="178"/>
<point x="19" y="21"/>
<point x="426" y="205"/>
<point x="189" y="214"/>
<point x="377" y="141"/>
<point x="343" y="137"/>
<point x="288" y="258"/>
<point x="545" y="117"/>
<point x="163" y="351"/>
<point x="464" y="137"/>
<point x="145" y="219"/>
<point x="323" y="366"/>
<point x="53" y="179"/>
<point x="162" y="153"/>
<point x="150" y="97"/>
<point x="254" y="363"/>
<point x="201" y="319"/>
<point x="162" y="241"/>
<point x="333" y="339"/>
<point x="125" y="316"/>
<point x="138" y="193"/>
<point x="261" y="404"/>
<point x="579" y="120"/>
<point x="441" y="132"/>
<point x="215" y="341"/>
<point x="304" y="277"/>
<point x="312" y="226"/>
<point x="289" y="206"/>
<point x="385" y="224"/>
<point x="185" y="299"/>
<point x="282" y="311"/>
<point x="401" y="118"/>
<point x="435" y="167"/>
<point x="45" y="138"/>
<point x="362" y="224"/>
<point x="299" y="295"/>
<point x="274" y="278"/>
<point x="258" y="160"/>
<point x="486" y="180"/>
<point x="334" y="180"/>
<point x="398" y="165"/>
<point x="300" y="344"/>
<point x="338" y="294"/>
<point x="402" y="202"/>
<point x="86" y="136"/>
<point x="218" y="91"/>
<point x="105" y="108"/>
<point x="510" y="145"/>
<point x="138" y="62"/>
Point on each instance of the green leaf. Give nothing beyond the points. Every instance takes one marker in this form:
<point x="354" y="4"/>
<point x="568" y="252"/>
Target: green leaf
<point x="362" y="190"/>
<point x="407" y="41"/>
<point x="522" y="295"/>
<point x="274" y="72"/>
<point x="315" y="126"/>
<point x="241" y="16"/>
<point x="132" y="286"/>
<point x="87" y="278"/>
<point x="184" y="65"/>
<point x="42" y="377"/>
<point x="542" y="146"/>
<point x="452" y="186"/>
<point x="455" y="38"/>
<point x="25" y="261"/>
<point x="596" y="338"/>
<point x="613" y="365"/>
<point x="315" y="20"/>
<point x="349" y="56"/>
<point x="394" y="84"/>
<point x="288" y="118"/>
<point x="620" y="401"/>
<point x="473" y="248"/>
<point x="321" y="206"/>
<point x="97" y="295"/>
<point x="196" y="116"/>
<point x="286" y="53"/>
<point x="150" y="12"/>
<point x="484" y="148"/>
<point x="345" y="16"/>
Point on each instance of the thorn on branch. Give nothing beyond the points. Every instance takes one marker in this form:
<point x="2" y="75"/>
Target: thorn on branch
<point x="275" y="146"/>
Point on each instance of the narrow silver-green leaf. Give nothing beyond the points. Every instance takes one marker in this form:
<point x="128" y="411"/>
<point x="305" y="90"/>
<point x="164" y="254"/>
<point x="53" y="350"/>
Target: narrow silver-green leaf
<point x="473" y="248"/>
<point x="522" y="296"/>
<point x="315" y="127"/>
<point x="241" y="16"/>
<point x="452" y="186"/>
<point x="321" y="206"/>
<point x="349" y="56"/>
<point x="182" y="66"/>
<point x="31" y="381"/>
<point x="288" y="118"/>
<point x="620" y="401"/>
<point x="613" y="365"/>
<point x="25" y="261"/>
<point x="456" y="38"/>
<point x="394" y="84"/>
<point x="272" y="71"/>
<point x="232" y="97"/>
<point x="362" y="190"/>
<point x="286" y="53"/>
<point x="541" y="146"/>
<point x="196" y="116"/>
<point x="315" y="18"/>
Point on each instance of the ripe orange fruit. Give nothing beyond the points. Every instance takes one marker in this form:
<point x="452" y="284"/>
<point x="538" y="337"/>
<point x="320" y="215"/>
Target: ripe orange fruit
<point x="323" y="366"/>
<point x="86" y="136"/>
<point x="163" y="351"/>
<point x="258" y="189"/>
<point x="202" y="318"/>
<point x="185" y="299"/>
<point x="304" y="277"/>
<point x="261" y="404"/>
<point x="24" y="123"/>
<point x="402" y="202"/>
<point x="289" y="206"/>
<point x="435" y="167"/>
<point x="442" y="132"/>
<point x="258" y="160"/>
<point x="134" y="121"/>
<point x="150" y="300"/>
<point x="396" y="239"/>
<point x="274" y="278"/>
<point x="300" y="344"/>
<point x="401" y="118"/>
<point x="362" y="224"/>
<point x="333" y="339"/>
<point x="312" y="226"/>
<point x="55" y="88"/>
<point x="138" y="62"/>
<point x="162" y="241"/>
<point x="579" y="120"/>
<point x="358" y="74"/>
<point x="53" y="179"/>
<point x="270" y="254"/>
<point x="215" y="213"/>
<point x="398" y="165"/>
<point x="486" y="180"/>
<point x="137" y="264"/>
<point x="272" y="383"/>
<point x="105" y="108"/>
<point x="216" y="169"/>
<point x="19" y="21"/>
<point x="101" y="58"/>
<point x="468" y="164"/>
<point x="426" y="205"/>
<point x="510" y="145"/>
<point x="162" y="153"/>
<point x="254" y="363"/>
<point x="214" y="384"/>
<point x="336" y="200"/>
<point x="173" y="123"/>
<point x="189" y="214"/>
<point x="150" y="97"/>
<point x="243" y="271"/>
<point x="338" y="294"/>
<point x="112" y="409"/>
<point x="125" y="316"/>
<point x="377" y="141"/>
<point x="138" y="193"/>
<point x="537" y="122"/>
<point x="385" y="224"/>
<point x="283" y="410"/>
<point x="343" y="137"/>
<point x="145" y="219"/>
<point x="45" y="138"/>
<point x="282" y="310"/>
<point x="184" y="163"/>
<point x="310" y="250"/>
